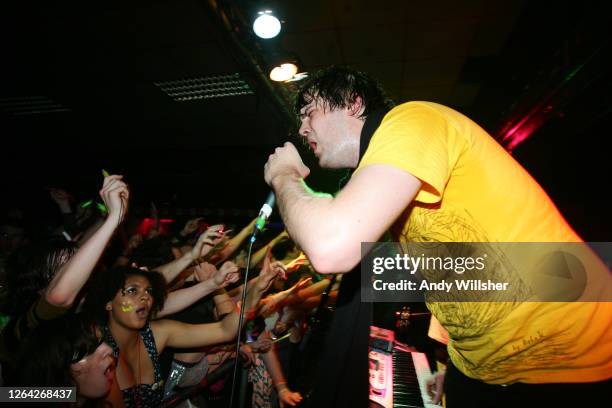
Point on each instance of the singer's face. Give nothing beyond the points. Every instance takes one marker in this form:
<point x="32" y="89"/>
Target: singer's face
<point x="330" y="134"/>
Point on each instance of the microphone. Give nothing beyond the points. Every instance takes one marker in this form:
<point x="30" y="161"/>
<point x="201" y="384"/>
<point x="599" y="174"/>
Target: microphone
<point x="264" y="213"/>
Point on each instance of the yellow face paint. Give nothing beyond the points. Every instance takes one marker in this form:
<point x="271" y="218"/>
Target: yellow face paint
<point x="127" y="308"/>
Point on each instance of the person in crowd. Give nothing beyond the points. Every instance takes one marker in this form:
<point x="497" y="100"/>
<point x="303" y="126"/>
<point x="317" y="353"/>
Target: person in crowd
<point x="123" y="301"/>
<point x="47" y="280"/>
<point x="65" y="352"/>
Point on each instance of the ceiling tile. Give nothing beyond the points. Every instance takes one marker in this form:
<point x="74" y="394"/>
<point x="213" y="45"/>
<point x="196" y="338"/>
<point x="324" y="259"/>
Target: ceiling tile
<point x="440" y="71"/>
<point x="434" y="40"/>
<point x="463" y="95"/>
<point x="365" y="13"/>
<point x="389" y="74"/>
<point x="435" y="93"/>
<point x="373" y="43"/>
<point x="314" y="48"/>
<point x="305" y="15"/>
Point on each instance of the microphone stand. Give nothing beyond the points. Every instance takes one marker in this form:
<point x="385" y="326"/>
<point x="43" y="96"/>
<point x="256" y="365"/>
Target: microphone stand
<point x="242" y="309"/>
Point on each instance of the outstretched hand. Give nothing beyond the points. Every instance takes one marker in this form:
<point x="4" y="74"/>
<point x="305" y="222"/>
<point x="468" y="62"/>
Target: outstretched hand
<point x="302" y="283"/>
<point x="209" y="238"/>
<point x="62" y="199"/>
<point x="227" y="274"/>
<point x="296" y="263"/>
<point x="191" y="226"/>
<point x="269" y="272"/>
<point x="59" y="196"/>
<point x="273" y="302"/>
<point x="263" y="343"/>
<point x="204" y="271"/>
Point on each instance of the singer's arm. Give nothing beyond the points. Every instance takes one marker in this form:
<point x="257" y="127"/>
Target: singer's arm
<point x="330" y="230"/>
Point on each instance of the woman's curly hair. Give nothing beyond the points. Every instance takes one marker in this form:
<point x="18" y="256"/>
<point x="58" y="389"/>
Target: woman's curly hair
<point x="105" y="285"/>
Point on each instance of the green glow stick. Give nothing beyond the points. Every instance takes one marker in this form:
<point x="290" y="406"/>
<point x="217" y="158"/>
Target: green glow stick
<point x="282" y="338"/>
<point x="101" y="207"/>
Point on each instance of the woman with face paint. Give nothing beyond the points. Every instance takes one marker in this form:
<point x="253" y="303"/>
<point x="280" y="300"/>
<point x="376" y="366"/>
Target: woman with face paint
<point x="122" y="301"/>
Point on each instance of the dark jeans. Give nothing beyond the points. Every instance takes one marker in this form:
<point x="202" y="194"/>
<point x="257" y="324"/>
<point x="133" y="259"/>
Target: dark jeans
<point x="462" y="391"/>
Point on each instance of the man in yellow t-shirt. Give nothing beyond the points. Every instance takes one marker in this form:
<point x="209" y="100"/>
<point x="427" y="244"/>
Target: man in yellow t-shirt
<point x="428" y="173"/>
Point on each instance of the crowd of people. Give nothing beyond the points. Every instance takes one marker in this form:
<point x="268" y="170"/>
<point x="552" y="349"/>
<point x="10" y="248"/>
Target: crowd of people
<point x="135" y="319"/>
<point x="132" y="318"/>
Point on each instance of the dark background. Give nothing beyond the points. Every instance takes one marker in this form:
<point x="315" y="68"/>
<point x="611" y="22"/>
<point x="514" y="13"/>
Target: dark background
<point x="78" y="93"/>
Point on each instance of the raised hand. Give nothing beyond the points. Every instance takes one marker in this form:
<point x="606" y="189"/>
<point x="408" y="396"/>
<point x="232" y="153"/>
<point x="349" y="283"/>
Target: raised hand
<point x="115" y="195"/>
<point x="275" y="301"/>
<point x="191" y="226"/>
<point x="269" y="272"/>
<point x="263" y="343"/>
<point x="207" y="240"/>
<point x="204" y="271"/>
<point x="295" y="264"/>
<point x="227" y="274"/>
<point x="303" y="282"/>
<point x="134" y="241"/>
<point x="61" y="198"/>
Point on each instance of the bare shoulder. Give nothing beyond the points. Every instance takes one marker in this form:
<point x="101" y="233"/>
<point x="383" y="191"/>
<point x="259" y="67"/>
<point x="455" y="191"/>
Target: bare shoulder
<point x="162" y="329"/>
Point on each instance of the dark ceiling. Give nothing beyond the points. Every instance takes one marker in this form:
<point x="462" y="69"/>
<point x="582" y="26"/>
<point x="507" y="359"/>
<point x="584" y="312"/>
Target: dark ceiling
<point x="80" y="90"/>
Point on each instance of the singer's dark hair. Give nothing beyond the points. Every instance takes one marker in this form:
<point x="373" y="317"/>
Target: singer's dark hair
<point x="339" y="86"/>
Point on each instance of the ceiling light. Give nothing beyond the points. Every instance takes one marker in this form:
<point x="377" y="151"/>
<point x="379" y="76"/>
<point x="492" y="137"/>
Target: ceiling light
<point x="266" y="25"/>
<point x="283" y="72"/>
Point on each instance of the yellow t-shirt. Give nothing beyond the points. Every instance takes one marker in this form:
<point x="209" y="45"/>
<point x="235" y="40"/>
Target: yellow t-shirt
<point x="474" y="191"/>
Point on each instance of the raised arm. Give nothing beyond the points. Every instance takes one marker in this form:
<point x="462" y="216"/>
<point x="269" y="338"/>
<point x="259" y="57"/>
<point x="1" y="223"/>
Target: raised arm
<point x="330" y="230"/>
<point x="223" y="303"/>
<point x="276" y="265"/>
<point x="183" y="298"/>
<point x="234" y="243"/>
<point x="62" y="199"/>
<point x="182" y="335"/>
<point x="261" y="253"/>
<point x="286" y="397"/>
<point x="204" y="244"/>
<point x="288" y="296"/>
<point x="171" y="333"/>
<point x="69" y="280"/>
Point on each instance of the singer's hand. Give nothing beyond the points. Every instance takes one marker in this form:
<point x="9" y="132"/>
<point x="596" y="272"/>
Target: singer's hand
<point x="285" y="161"/>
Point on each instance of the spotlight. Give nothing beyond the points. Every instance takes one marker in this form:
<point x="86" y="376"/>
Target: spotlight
<point x="283" y="72"/>
<point x="266" y="25"/>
